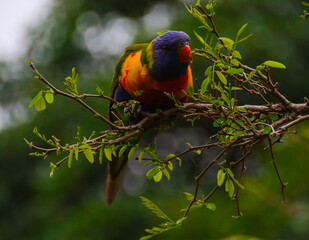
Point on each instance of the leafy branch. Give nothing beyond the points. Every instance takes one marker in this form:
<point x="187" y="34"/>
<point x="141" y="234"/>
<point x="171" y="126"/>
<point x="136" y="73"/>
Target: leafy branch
<point x="240" y="127"/>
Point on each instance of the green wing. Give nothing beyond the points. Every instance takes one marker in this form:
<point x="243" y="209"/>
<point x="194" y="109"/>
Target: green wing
<point x="127" y="52"/>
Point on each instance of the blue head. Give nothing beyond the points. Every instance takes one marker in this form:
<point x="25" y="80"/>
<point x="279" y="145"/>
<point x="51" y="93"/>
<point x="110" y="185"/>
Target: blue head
<point x="171" y="55"/>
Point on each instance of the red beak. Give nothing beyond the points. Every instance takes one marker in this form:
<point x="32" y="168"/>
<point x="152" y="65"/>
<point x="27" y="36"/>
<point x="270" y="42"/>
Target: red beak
<point x="184" y="54"/>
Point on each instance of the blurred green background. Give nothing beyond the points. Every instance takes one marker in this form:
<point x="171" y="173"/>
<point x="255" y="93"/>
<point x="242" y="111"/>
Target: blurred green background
<point x="91" y="35"/>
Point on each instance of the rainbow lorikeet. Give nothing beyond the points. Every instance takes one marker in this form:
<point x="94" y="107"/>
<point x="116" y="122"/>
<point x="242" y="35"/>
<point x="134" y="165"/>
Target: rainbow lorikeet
<point x="145" y="72"/>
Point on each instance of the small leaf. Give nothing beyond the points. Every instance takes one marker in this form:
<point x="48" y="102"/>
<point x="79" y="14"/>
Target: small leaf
<point x="189" y="196"/>
<point x="152" y="172"/>
<point x="243" y="110"/>
<point x="140" y="156"/>
<point x="235" y="62"/>
<point x="274" y="64"/>
<point x="169" y="156"/>
<point x="231" y="188"/>
<point x="211" y="206"/>
<point x="89" y="155"/>
<point x="237" y="55"/>
<point x="273" y="117"/>
<point x="157" y="177"/>
<point x="227" y="42"/>
<point x="227" y="186"/>
<point x="40" y="104"/>
<point x="76" y="153"/>
<point x="101" y="156"/>
<point x="191" y="90"/>
<point x="204" y="85"/>
<point x="70" y="158"/>
<point x="108" y="153"/>
<point x="221" y="77"/>
<point x="229" y="172"/>
<point x="170" y="165"/>
<point x="181" y="220"/>
<point x="35" y="99"/>
<point x="266" y="130"/>
<point x="305" y="4"/>
<point x="167" y="174"/>
<point x="49" y="97"/>
<point x="235" y="70"/>
<point x="244" y="39"/>
<point x="131" y="152"/>
<point x="220" y="177"/>
<point x="241" y="30"/>
<point x="121" y="151"/>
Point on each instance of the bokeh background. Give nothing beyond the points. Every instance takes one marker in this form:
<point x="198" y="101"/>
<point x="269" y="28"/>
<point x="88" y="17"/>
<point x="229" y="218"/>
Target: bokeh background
<point x="91" y="35"/>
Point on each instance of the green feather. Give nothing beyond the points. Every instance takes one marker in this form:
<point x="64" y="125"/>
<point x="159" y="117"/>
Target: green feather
<point x="127" y="52"/>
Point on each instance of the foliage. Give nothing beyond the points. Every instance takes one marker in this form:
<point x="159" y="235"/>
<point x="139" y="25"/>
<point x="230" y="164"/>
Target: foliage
<point x="242" y="127"/>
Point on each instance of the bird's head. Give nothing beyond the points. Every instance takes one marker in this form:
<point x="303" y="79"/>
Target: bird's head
<point x="171" y="54"/>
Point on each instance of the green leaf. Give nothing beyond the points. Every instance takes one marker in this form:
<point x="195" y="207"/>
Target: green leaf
<point x="243" y="110"/>
<point x="220" y="177"/>
<point x="235" y="62"/>
<point x="131" y="152"/>
<point x="211" y="206"/>
<point x="241" y="30"/>
<point x="76" y="153"/>
<point x="53" y="169"/>
<point x="204" y="85"/>
<point x="108" y="153"/>
<point x="140" y="156"/>
<point x="274" y="64"/>
<point x="146" y="237"/>
<point x="235" y="70"/>
<point x="40" y="104"/>
<point x="167" y="174"/>
<point x="229" y="187"/>
<point x="170" y="165"/>
<point x="266" y="130"/>
<point x="121" y="151"/>
<point x="35" y="99"/>
<point x="237" y="55"/>
<point x="229" y="172"/>
<point x="227" y="42"/>
<point x="157" y="211"/>
<point x="158" y="176"/>
<point x="191" y="90"/>
<point x="169" y="156"/>
<point x="88" y="154"/>
<point x="152" y="172"/>
<point x="305" y="4"/>
<point x="70" y="158"/>
<point x="200" y="38"/>
<point x="244" y="39"/>
<point x="189" y="196"/>
<point x="49" y="97"/>
<point x="181" y="220"/>
<point x="99" y="90"/>
<point x="101" y="156"/>
<point x="274" y="117"/>
<point x="221" y="77"/>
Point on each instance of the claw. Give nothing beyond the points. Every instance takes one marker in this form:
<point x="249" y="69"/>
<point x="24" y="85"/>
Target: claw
<point x="134" y="112"/>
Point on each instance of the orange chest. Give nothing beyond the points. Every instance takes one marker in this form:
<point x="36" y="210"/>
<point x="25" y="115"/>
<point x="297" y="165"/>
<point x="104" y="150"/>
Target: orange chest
<point x="135" y="79"/>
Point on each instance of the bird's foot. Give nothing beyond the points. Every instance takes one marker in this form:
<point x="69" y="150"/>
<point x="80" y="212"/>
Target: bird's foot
<point x="134" y="112"/>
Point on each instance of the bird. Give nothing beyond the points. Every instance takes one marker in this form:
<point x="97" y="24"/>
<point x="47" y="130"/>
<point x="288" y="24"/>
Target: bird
<point x="145" y="73"/>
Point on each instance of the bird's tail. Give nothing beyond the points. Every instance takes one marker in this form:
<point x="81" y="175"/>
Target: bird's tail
<point x="116" y="168"/>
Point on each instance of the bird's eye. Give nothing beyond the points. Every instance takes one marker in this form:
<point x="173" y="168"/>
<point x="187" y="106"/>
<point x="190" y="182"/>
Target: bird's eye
<point x="182" y="44"/>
